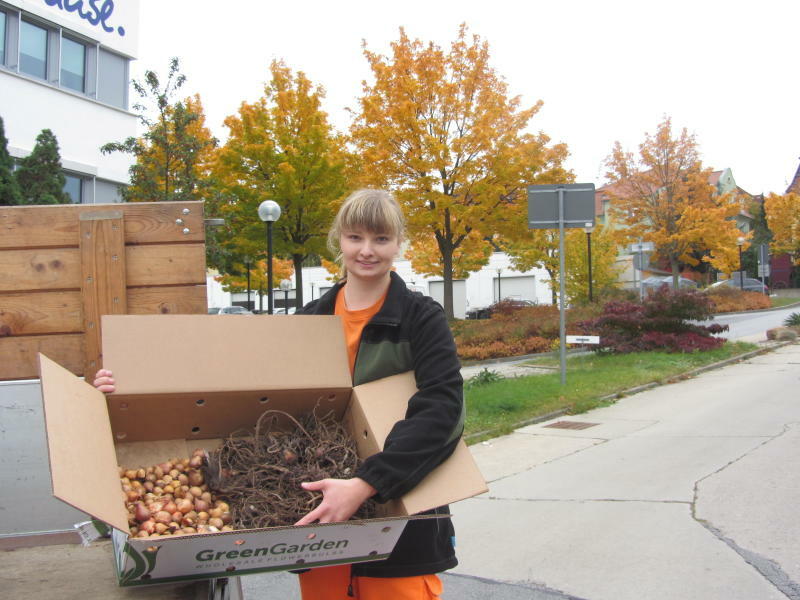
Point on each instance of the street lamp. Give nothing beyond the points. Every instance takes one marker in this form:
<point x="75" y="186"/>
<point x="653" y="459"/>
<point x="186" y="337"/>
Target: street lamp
<point x="740" y="243"/>
<point x="269" y="212"/>
<point x="588" y="229"/>
<point x="499" y="295"/>
<point x="286" y="285"/>
<point x="247" y="266"/>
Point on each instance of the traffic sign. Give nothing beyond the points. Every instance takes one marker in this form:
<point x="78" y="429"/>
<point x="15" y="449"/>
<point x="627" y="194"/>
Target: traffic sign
<point x="583" y="339"/>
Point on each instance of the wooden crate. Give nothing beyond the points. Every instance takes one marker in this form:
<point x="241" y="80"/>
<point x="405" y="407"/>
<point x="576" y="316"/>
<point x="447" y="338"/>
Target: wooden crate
<point x="63" y="266"/>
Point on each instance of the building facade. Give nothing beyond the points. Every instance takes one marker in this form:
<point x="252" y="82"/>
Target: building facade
<point x="64" y="66"/>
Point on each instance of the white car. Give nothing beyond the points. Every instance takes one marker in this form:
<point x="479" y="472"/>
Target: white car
<point x="234" y="310"/>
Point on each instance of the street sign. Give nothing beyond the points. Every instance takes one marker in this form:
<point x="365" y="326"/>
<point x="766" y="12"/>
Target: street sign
<point x="763" y="254"/>
<point x="578" y="205"/>
<point x="639" y="247"/>
<point x="763" y="270"/>
<point x="583" y="339"/>
<point x="641" y="260"/>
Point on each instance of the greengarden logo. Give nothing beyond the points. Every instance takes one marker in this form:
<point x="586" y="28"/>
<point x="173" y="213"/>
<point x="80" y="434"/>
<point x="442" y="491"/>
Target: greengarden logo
<point x="89" y="11"/>
<point x="280" y="548"/>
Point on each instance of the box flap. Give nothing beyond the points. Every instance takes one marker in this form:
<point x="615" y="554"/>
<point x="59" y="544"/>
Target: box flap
<point x="166" y="354"/>
<point x="381" y="404"/>
<point x="83" y="463"/>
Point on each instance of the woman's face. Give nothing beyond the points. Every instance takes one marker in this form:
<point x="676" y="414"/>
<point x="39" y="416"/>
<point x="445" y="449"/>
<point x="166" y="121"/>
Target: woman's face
<point x="368" y="255"/>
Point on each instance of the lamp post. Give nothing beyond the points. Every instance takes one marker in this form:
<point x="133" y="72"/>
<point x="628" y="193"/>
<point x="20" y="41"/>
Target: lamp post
<point x="247" y="266"/>
<point x="269" y="212"/>
<point x="740" y="243"/>
<point x="588" y="229"/>
<point x="286" y="285"/>
<point x="499" y="295"/>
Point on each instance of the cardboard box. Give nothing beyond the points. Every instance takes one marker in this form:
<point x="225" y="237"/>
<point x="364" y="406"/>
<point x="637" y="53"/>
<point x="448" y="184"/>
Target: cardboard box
<point x="187" y="381"/>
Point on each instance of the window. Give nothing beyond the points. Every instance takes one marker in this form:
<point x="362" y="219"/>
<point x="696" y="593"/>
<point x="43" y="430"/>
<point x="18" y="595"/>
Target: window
<point x="2" y="38"/>
<point x="112" y="79"/>
<point x="74" y="188"/>
<point x="73" y="65"/>
<point x="33" y="50"/>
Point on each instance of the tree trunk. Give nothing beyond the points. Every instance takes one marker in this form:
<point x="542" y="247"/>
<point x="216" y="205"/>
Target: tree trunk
<point x="676" y="274"/>
<point x="447" y="300"/>
<point x="297" y="259"/>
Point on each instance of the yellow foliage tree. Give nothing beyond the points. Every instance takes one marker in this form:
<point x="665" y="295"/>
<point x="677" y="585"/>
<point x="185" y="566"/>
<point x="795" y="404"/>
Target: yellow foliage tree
<point x="281" y="269"/>
<point x="438" y="128"/>
<point x="281" y="147"/>
<point x="783" y="220"/>
<point x="665" y="197"/>
<point x="174" y="155"/>
<point x="540" y="249"/>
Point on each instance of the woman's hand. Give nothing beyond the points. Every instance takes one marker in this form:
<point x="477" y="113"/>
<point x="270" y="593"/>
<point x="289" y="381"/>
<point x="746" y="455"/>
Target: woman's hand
<point x="340" y="499"/>
<point x="104" y="381"/>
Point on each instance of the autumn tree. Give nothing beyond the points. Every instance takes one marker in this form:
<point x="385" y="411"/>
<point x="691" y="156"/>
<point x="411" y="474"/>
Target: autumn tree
<point x="783" y="218"/>
<point x="539" y="249"/>
<point x="40" y="176"/>
<point x="174" y="155"/>
<point x="282" y="148"/>
<point x="237" y="280"/>
<point x="439" y="129"/>
<point x="10" y="194"/>
<point x="664" y="196"/>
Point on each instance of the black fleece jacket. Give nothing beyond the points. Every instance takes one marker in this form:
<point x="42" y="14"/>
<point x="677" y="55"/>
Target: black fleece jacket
<point x="410" y="332"/>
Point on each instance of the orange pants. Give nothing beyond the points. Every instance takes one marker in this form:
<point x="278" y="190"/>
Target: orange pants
<point x="331" y="583"/>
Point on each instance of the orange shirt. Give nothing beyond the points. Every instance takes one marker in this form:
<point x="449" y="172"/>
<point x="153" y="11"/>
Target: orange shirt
<point x="353" y="322"/>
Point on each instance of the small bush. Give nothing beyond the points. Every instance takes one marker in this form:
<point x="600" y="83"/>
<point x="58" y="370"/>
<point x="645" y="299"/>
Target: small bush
<point x="793" y="320"/>
<point x="484" y="377"/>
<point x="661" y="322"/>
<point x="732" y="299"/>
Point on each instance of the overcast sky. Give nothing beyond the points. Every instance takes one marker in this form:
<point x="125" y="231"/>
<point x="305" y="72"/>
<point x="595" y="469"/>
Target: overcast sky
<point x="606" y="70"/>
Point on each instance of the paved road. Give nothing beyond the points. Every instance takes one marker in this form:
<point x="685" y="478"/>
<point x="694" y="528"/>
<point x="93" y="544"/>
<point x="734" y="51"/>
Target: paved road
<point x="745" y="325"/>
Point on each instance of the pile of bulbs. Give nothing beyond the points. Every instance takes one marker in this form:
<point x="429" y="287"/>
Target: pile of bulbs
<point x="172" y="498"/>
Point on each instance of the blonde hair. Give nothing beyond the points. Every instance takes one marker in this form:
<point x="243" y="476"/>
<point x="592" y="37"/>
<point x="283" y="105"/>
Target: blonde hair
<point x="376" y="211"/>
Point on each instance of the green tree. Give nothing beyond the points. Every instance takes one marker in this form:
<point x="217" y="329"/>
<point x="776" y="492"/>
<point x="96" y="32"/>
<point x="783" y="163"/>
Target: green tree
<point x="281" y="147"/>
<point x="40" y="177"/>
<point x="174" y="155"/>
<point x="10" y="194"/>
<point x="440" y="130"/>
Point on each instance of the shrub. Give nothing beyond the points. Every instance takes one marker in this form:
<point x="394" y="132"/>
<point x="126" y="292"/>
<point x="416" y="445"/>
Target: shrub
<point x="732" y="299"/>
<point x="661" y="322"/>
<point x="793" y="320"/>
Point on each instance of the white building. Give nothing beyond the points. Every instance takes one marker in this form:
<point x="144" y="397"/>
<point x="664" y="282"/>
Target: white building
<point x="493" y="282"/>
<point x="64" y="66"/>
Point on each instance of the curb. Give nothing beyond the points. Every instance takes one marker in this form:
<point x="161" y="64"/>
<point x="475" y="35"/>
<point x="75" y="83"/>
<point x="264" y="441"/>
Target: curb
<point x="768" y="347"/>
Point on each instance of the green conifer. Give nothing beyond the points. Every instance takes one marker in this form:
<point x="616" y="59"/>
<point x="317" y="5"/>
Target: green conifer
<point x="40" y="177"/>
<point x="9" y="188"/>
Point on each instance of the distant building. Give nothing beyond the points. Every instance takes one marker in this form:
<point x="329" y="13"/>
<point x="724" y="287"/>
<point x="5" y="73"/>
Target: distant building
<point x="724" y="183"/>
<point x="64" y="66"/>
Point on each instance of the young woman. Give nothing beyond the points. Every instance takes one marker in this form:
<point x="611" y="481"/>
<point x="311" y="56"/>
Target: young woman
<point x="388" y="330"/>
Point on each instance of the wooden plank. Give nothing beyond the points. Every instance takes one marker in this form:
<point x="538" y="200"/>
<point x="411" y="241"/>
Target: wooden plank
<point x="181" y="300"/>
<point x="44" y="269"/>
<point x="43" y="312"/>
<point x="59" y="268"/>
<point x="57" y="225"/>
<point x="18" y="355"/>
<point x="102" y="277"/>
<point x="175" y="264"/>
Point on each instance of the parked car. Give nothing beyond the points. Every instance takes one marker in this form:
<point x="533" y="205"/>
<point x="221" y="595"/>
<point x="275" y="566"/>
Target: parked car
<point x="214" y="310"/>
<point x="749" y="285"/>
<point x="234" y="310"/>
<point x="504" y="305"/>
<point x="282" y="311"/>
<point x="653" y="283"/>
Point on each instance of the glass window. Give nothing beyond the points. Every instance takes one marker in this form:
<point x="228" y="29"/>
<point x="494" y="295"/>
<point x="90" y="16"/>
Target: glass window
<point x="33" y="50"/>
<point x="73" y="64"/>
<point x="74" y="188"/>
<point x="112" y="78"/>
<point x="2" y="38"/>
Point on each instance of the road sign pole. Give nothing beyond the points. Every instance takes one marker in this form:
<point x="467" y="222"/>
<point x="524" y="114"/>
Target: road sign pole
<point x="562" y="347"/>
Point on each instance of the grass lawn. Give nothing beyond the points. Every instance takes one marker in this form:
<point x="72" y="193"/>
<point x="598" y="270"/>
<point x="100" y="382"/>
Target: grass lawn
<point x="784" y="301"/>
<point x="497" y="407"/>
